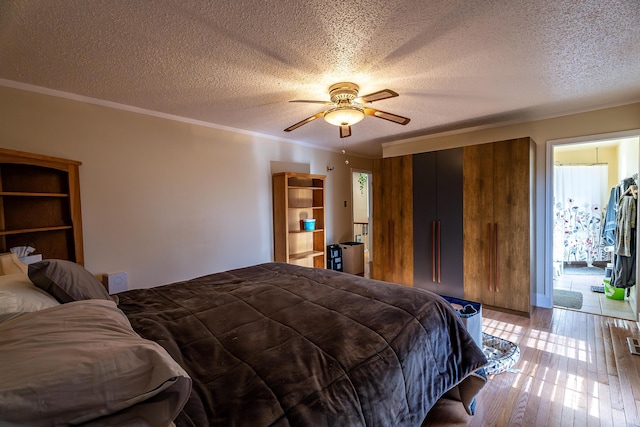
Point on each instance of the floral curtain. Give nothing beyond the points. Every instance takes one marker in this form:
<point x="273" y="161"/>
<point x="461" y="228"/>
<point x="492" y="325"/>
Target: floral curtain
<point x="580" y="193"/>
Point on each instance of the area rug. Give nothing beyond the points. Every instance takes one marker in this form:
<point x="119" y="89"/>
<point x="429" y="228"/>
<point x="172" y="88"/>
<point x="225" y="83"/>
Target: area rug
<point x="583" y="271"/>
<point x="500" y="353"/>
<point x="567" y="299"/>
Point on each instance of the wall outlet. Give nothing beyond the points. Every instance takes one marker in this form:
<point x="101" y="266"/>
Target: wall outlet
<point x="115" y="282"/>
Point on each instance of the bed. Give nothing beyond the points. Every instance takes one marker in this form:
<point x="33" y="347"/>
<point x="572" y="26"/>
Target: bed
<point x="268" y="345"/>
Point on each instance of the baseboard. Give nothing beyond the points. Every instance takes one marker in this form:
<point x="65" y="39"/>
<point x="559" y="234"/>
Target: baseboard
<point x="580" y="264"/>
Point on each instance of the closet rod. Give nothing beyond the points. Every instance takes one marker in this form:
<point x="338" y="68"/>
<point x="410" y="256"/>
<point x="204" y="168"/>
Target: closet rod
<point x="633" y="177"/>
<point x="579" y="164"/>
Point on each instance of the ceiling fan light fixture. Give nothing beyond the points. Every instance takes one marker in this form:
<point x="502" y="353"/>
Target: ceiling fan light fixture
<point x="349" y="109"/>
<point x="344" y="116"/>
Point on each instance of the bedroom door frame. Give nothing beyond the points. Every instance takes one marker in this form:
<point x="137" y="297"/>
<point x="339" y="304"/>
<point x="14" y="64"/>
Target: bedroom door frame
<point x="369" y="190"/>
<point x="548" y="265"/>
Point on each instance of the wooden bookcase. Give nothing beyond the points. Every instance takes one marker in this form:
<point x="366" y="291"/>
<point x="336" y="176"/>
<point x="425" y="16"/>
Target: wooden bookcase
<point x="40" y="205"/>
<point x="298" y="196"/>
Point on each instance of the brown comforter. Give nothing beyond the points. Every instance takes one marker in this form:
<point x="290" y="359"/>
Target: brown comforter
<point x="281" y="345"/>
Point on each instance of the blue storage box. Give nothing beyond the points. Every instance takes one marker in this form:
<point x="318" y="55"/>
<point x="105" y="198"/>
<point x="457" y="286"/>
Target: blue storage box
<point x="308" y="224"/>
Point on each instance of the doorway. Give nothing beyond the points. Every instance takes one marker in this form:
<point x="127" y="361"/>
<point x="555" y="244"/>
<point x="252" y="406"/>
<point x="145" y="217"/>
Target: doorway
<point x="584" y="175"/>
<point x="361" y="213"/>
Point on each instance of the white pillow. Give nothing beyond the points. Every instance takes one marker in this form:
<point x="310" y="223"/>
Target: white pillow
<point x="18" y="295"/>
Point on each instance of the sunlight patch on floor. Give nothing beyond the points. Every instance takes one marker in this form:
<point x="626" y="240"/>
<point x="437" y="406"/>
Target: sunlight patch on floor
<point x="558" y="344"/>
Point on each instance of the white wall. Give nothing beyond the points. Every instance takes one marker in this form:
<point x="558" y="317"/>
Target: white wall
<point x="166" y="200"/>
<point x="628" y="157"/>
<point x="598" y="122"/>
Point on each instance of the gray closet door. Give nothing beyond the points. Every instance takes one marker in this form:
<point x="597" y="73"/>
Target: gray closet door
<point x="438" y="222"/>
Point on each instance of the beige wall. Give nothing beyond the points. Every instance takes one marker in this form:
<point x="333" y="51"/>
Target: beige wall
<point x="166" y="200"/>
<point x="599" y="122"/>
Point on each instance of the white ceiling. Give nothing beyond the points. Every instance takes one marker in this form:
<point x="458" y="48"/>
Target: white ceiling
<point x="237" y="63"/>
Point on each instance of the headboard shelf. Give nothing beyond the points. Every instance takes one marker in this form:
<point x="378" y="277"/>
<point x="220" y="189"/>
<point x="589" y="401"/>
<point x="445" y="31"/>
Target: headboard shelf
<point x="40" y="205"/>
<point x="23" y="194"/>
<point x="34" y="230"/>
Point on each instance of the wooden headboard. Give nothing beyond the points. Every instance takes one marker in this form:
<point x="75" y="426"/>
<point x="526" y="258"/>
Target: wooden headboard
<point x="40" y="205"/>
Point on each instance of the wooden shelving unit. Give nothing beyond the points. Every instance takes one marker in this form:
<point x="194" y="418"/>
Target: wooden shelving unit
<point x="298" y="196"/>
<point x="40" y="205"/>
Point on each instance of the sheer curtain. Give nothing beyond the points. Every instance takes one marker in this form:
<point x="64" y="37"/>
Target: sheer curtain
<point x="579" y="193"/>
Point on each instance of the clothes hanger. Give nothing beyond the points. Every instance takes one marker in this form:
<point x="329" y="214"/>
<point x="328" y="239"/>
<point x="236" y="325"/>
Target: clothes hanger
<point x="632" y="190"/>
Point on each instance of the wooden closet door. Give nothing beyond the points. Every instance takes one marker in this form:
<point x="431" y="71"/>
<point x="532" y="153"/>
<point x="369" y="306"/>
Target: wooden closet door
<point x="478" y="190"/>
<point x="392" y="220"/>
<point x="512" y="216"/>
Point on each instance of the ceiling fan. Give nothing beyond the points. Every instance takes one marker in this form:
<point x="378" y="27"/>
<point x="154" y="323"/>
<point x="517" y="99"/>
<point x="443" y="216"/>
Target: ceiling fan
<point x="347" y="108"/>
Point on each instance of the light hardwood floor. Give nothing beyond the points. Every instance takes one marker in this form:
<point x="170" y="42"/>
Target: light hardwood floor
<point x="575" y="369"/>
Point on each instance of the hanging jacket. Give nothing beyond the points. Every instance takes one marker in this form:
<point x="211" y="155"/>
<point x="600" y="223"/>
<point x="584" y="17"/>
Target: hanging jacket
<point x="609" y="228"/>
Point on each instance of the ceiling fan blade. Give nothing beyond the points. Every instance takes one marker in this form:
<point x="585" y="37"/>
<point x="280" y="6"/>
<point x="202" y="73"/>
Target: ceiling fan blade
<point x="345" y="131"/>
<point x="313" y="102"/>
<point x="304" y="122"/>
<point x="387" y="116"/>
<point x="377" y="96"/>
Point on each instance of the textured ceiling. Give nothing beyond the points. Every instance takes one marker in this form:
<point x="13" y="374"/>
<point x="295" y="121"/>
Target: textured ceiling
<point x="237" y="63"/>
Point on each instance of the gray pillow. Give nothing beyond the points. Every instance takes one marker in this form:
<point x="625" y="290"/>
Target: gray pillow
<point x="67" y="281"/>
<point x="93" y="367"/>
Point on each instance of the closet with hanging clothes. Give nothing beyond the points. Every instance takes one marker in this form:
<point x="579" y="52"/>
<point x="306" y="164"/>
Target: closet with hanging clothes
<point x="621" y="230"/>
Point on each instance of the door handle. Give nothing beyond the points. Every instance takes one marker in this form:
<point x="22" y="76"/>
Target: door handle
<point x="433" y="251"/>
<point x="392" y="257"/>
<point x="497" y="278"/>
<point x="490" y="256"/>
<point x="439" y="254"/>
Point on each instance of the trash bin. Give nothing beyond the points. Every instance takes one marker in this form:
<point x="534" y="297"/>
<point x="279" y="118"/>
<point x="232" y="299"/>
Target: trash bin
<point x="471" y="314"/>
<point x="352" y="257"/>
<point x="334" y="257"/>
